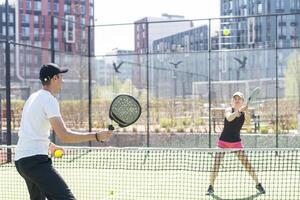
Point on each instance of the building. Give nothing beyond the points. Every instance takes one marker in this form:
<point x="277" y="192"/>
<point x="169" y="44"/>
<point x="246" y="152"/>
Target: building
<point x="192" y="40"/>
<point x="11" y="37"/>
<point x="147" y="30"/>
<point x="119" y="65"/>
<point x="31" y="27"/>
<point x="176" y="65"/>
<point x="260" y="32"/>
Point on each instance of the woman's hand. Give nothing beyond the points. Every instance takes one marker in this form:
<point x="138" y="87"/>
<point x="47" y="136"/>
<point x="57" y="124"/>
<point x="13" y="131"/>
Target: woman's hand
<point x="243" y="108"/>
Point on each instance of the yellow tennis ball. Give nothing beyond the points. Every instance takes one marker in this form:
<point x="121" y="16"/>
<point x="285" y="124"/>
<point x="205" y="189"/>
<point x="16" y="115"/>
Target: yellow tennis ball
<point x="58" y="153"/>
<point x="226" y="32"/>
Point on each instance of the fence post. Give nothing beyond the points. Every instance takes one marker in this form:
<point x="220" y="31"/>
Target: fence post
<point x="298" y="119"/>
<point x="89" y="82"/>
<point x="209" y="85"/>
<point x="0" y="119"/>
<point x="7" y="84"/>
<point x="52" y="59"/>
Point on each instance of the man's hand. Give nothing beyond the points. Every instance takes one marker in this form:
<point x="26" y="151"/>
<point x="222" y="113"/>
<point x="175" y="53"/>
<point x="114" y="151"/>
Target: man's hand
<point x="53" y="148"/>
<point x="104" y="135"/>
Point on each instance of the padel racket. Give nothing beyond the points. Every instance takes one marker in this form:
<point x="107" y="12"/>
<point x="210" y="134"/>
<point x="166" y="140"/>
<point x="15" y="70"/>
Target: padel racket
<point x="253" y="95"/>
<point x="124" y="111"/>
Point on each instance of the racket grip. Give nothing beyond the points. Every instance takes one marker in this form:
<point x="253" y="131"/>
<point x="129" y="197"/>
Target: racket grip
<point x="111" y="128"/>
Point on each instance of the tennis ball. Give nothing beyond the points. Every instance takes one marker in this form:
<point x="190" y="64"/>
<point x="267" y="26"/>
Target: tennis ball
<point x="58" y="153"/>
<point x="111" y="192"/>
<point x="226" y="32"/>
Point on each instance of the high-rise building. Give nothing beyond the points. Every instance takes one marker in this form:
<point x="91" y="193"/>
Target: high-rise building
<point x="260" y="31"/>
<point x="31" y="24"/>
<point x="146" y="31"/>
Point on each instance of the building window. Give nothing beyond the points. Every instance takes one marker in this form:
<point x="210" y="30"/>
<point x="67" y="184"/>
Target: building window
<point x="28" y="4"/>
<point x="91" y="10"/>
<point x="36" y="32"/>
<point x="244" y="12"/>
<point x="67" y="8"/>
<point x="11" y="31"/>
<point x="54" y="21"/>
<point x="56" y="7"/>
<point x="297" y="4"/>
<point x="49" y="7"/>
<point x="292" y="4"/>
<point x="280" y="4"/>
<point x="11" y="18"/>
<point x="83" y="9"/>
<point x="259" y="8"/>
<point x="83" y="21"/>
<point x="25" y="19"/>
<point x="36" y="19"/>
<point x="55" y="33"/>
<point x="230" y="5"/>
<point x="37" y="6"/>
<point x="25" y="31"/>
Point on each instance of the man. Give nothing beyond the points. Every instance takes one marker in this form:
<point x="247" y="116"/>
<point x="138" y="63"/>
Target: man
<point x="40" y="113"/>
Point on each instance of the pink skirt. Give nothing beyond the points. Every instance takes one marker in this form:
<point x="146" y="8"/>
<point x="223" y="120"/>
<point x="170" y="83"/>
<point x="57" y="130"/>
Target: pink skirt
<point x="230" y="145"/>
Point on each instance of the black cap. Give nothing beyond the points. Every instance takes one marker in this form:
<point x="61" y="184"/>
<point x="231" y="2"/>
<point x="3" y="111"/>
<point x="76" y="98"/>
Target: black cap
<point x="48" y="70"/>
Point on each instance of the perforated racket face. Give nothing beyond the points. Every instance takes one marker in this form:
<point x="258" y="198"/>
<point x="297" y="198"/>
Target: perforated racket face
<point x="253" y="95"/>
<point x="125" y="110"/>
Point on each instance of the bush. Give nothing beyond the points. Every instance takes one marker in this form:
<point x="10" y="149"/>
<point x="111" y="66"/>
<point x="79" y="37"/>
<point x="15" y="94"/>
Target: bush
<point x="166" y="123"/>
<point x="134" y="129"/>
<point x="199" y="122"/>
<point x="249" y="130"/>
<point x="180" y="129"/>
<point x="264" y="129"/>
<point x="156" y="130"/>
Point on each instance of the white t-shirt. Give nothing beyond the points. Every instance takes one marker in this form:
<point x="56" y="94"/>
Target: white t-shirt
<point x="35" y="125"/>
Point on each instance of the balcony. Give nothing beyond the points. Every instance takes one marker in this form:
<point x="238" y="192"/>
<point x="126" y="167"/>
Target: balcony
<point x="280" y="10"/>
<point x="282" y="24"/>
<point x="294" y="23"/>
<point x="282" y="37"/>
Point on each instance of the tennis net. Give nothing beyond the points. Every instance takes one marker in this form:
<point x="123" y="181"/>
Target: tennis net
<point x="160" y="173"/>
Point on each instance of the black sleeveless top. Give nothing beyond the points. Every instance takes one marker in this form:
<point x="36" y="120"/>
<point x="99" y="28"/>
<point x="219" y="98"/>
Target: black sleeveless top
<point x="231" y="131"/>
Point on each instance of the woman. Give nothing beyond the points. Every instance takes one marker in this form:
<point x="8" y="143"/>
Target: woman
<point x="230" y="138"/>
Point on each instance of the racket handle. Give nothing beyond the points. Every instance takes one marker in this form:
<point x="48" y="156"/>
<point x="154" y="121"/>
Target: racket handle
<point x="111" y="128"/>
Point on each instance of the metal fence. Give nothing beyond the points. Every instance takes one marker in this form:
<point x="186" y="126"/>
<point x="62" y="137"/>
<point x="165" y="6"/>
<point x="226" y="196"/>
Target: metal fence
<point x="183" y="73"/>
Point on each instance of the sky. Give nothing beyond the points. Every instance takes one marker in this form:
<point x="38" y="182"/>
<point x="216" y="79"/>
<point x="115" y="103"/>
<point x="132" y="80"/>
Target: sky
<point x="123" y="11"/>
<point x="128" y="11"/>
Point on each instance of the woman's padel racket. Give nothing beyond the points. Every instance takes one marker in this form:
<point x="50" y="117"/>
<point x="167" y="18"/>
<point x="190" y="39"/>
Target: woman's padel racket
<point x="253" y="95"/>
<point x="124" y="111"/>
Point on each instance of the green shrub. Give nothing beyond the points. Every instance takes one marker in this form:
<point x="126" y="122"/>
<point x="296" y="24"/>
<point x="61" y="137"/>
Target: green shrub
<point x="156" y="130"/>
<point x="199" y="122"/>
<point x="180" y="129"/>
<point x="166" y="123"/>
<point x="264" y="129"/>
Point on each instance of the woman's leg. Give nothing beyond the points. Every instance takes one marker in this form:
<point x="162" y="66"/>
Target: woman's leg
<point x="244" y="160"/>
<point x="218" y="159"/>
